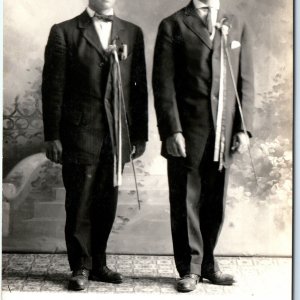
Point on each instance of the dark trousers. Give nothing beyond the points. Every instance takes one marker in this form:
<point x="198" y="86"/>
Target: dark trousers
<point x="91" y="203"/>
<point x="197" y="211"/>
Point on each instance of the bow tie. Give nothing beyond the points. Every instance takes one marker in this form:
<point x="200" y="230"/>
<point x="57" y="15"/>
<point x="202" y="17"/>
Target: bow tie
<point x="104" y="18"/>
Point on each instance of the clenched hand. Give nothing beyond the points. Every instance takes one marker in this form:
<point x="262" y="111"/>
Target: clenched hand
<point x="176" y="145"/>
<point x="138" y="149"/>
<point x="54" y="151"/>
<point x="241" y="142"/>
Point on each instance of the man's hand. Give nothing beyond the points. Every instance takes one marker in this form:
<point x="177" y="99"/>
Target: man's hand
<point x="138" y="149"/>
<point x="176" y="145"/>
<point x="54" y="151"/>
<point x="241" y="142"/>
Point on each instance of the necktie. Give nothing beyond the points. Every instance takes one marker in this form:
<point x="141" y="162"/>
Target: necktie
<point x="206" y="18"/>
<point x="209" y="21"/>
<point x="104" y="18"/>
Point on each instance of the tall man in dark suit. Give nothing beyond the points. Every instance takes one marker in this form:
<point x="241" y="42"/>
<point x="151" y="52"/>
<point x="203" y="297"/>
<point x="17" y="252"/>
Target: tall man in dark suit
<point x="77" y="126"/>
<point x="200" y="126"/>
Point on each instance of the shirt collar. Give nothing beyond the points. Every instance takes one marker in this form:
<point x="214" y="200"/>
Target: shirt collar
<point x="91" y="12"/>
<point x="211" y="3"/>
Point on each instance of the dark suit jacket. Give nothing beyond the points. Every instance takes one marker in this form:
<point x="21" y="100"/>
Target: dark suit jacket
<point x="74" y="81"/>
<point x="186" y="80"/>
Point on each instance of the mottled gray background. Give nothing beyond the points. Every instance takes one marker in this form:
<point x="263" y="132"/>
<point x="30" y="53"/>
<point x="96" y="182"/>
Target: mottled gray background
<point x="258" y="221"/>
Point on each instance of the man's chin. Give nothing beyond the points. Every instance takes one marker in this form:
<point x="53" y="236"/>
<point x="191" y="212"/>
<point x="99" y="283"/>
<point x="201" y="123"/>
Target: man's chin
<point x="104" y="8"/>
<point x="106" y="5"/>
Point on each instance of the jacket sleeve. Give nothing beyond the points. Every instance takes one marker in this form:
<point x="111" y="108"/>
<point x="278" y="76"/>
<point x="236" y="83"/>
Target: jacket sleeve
<point x="246" y="82"/>
<point x="53" y="82"/>
<point x="163" y="83"/>
<point x="139" y="92"/>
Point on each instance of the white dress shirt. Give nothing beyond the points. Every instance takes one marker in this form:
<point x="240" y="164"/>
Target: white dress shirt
<point x="103" y="29"/>
<point x="214" y="6"/>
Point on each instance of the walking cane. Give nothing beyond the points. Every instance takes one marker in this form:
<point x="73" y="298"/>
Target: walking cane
<point x="120" y="107"/>
<point x="224" y="34"/>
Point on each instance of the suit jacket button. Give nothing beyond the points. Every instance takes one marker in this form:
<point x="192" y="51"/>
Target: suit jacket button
<point x="101" y="64"/>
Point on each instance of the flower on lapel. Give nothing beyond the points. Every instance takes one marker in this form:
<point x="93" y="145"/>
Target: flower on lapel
<point x="111" y="48"/>
<point x="224" y="26"/>
<point x="120" y="47"/>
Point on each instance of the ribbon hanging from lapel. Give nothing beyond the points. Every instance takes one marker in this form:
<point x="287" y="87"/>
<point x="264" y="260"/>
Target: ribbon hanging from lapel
<point x="220" y="124"/>
<point x="220" y="128"/>
<point x="117" y="120"/>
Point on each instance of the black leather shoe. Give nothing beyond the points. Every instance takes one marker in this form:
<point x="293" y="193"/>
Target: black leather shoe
<point x="106" y="275"/>
<point x="218" y="278"/>
<point x="79" y="280"/>
<point x="187" y="283"/>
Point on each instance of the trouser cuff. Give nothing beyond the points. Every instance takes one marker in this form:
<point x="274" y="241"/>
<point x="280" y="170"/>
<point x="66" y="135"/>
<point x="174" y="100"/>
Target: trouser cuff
<point x="99" y="261"/>
<point x="85" y="262"/>
<point x="195" y="269"/>
<point x="209" y="268"/>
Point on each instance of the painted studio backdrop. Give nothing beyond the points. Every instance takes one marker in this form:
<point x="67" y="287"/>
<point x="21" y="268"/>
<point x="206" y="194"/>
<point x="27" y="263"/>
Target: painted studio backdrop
<point x="258" y="220"/>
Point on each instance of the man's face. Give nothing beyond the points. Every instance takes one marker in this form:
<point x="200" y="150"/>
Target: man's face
<point x="99" y="5"/>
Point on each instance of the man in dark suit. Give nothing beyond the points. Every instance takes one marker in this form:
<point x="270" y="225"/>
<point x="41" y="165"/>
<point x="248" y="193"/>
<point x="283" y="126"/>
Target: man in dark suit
<point x="76" y="126"/>
<point x="200" y="126"/>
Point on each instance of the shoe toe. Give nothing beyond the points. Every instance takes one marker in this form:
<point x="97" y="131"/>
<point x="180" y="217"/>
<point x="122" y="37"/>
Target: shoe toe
<point x="106" y="275"/>
<point x="219" y="278"/>
<point x="77" y="285"/>
<point x="187" y="283"/>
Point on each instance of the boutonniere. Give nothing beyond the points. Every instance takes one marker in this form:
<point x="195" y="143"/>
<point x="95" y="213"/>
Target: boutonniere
<point x="224" y="26"/>
<point x="120" y="48"/>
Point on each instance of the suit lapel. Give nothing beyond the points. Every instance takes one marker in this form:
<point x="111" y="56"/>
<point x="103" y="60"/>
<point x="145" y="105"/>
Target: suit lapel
<point x="194" y="23"/>
<point x="117" y="30"/>
<point x="89" y="32"/>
